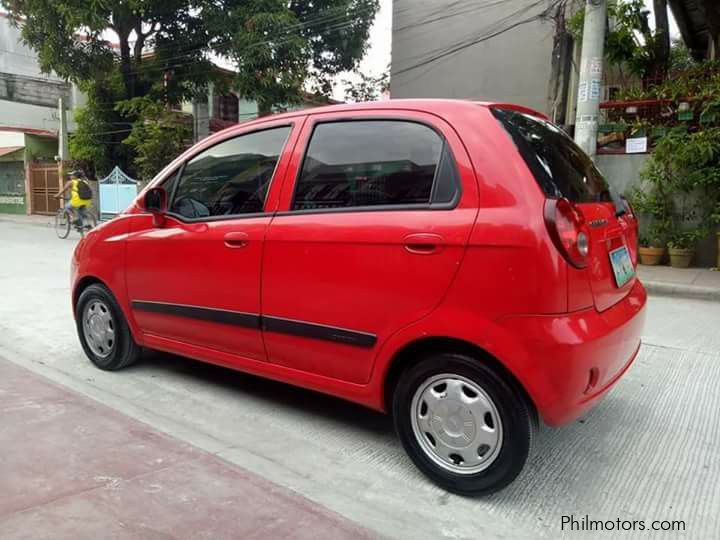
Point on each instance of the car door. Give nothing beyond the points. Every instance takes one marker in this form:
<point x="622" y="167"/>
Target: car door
<point x="373" y="220"/>
<point x="196" y="279"/>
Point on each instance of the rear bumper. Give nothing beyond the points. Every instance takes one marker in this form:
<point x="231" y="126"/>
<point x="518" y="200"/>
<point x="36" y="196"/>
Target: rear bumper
<point x="574" y="359"/>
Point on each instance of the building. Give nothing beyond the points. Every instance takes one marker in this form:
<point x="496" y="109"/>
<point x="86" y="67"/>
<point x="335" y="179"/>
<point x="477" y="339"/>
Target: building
<point x="512" y="50"/>
<point x="218" y="111"/>
<point x="29" y="124"/>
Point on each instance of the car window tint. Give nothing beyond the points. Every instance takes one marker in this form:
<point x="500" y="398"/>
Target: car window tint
<point x="559" y="166"/>
<point x="230" y="178"/>
<point x="368" y="163"/>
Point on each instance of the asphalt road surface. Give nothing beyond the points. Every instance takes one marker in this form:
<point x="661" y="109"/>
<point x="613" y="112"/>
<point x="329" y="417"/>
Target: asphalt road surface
<point x="648" y="452"/>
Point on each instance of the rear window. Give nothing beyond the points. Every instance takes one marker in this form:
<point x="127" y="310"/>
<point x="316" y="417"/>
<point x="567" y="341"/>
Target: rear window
<point x="560" y="167"/>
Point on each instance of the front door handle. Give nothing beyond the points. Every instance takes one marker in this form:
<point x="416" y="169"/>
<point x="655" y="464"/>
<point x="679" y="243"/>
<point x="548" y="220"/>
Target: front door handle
<point x="236" y="239"/>
<point x="423" y="243"/>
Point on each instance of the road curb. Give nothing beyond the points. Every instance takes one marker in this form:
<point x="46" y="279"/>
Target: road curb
<point x="660" y="288"/>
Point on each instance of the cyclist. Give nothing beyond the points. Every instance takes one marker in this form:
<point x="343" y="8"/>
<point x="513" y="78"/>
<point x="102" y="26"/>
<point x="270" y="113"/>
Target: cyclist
<point x="80" y="196"/>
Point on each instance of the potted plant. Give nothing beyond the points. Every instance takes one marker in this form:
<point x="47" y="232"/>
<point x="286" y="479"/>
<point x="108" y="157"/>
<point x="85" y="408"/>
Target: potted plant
<point x="682" y="247"/>
<point x="652" y="250"/>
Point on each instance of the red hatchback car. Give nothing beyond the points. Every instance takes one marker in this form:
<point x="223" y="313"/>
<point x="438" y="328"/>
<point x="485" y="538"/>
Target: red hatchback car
<point x="463" y="266"/>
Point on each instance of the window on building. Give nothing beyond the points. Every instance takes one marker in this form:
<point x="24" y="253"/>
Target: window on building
<point x="226" y="108"/>
<point x="230" y="178"/>
<point x="372" y="163"/>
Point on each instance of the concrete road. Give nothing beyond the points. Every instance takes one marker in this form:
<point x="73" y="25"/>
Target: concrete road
<point x="648" y="452"/>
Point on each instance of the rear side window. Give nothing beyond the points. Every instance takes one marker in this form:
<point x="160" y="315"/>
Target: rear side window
<point x="375" y="163"/>
<point x="230" y="178"/>
<point x="560" y="167"/>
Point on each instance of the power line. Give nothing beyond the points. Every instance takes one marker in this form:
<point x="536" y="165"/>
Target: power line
<point x="457" y="47"/>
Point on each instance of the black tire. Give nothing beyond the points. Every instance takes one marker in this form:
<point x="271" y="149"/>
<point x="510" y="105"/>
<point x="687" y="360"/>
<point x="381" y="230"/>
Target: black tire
<point x="515" y="414"/>
<point x="123" y="351"/>
<point x="62" y="223"/>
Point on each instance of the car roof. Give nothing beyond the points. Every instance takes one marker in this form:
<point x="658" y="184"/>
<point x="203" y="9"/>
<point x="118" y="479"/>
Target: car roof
<point x="437" y="106"/>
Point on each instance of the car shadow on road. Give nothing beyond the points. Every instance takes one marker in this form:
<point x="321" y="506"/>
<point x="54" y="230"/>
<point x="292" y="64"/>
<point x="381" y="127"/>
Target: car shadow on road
<point x="272" y="393"/>
<point x="567" y="464"/>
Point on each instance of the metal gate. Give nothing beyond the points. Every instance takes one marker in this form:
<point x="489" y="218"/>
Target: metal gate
<point x="44" y="185"/>
<point x="117" y="192"/>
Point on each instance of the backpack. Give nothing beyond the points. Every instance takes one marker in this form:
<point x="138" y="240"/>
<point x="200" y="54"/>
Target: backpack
<point x="84" y="191"/>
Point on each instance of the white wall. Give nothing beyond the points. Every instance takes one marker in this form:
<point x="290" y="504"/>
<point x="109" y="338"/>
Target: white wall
<point x="13" y="114"/>
<point x="513" y="66"/>
<point x="18" y="59"/>
<point x="11" y="138"/>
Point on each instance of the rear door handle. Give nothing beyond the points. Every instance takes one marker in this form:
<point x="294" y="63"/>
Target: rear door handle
<point x="423" y="243"/>
<point x="236" y="239"/>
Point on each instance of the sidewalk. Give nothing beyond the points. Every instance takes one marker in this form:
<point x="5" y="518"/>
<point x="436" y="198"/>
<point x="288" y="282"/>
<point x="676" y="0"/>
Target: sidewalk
<point x="73" y="468"/>
<point x="34" y="219"/>
<point x="702" y="283"/>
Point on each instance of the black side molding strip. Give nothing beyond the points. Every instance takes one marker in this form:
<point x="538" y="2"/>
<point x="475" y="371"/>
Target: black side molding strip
<point x="318" y="331"/>
<point x="267" y="323"/>
<point x="237" y="318"/>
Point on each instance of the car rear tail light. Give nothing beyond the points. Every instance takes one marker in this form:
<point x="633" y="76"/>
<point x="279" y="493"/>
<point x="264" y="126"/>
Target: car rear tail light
<point x="568" y="231"/>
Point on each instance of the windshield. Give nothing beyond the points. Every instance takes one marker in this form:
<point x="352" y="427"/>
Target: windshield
<point x="559" y="166"/>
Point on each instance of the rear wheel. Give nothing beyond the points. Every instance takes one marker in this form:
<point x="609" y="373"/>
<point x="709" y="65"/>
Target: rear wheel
<point x="462" y="424"/>
<point x="103" y="330"/>
<point x="62" y="223"/>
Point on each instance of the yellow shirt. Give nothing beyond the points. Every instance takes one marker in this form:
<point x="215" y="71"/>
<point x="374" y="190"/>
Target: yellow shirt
<point x="75" y="200"/>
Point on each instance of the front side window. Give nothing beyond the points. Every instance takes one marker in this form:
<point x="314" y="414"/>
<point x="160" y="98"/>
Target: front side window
<point x="371" y="163"/>
<point x="230" y="178"/>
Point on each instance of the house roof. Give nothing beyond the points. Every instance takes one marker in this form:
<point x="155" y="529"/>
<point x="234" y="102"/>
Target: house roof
<point x="699" y="22"/>
<point x="5" y="150"/>
<point x="29" y="131"/>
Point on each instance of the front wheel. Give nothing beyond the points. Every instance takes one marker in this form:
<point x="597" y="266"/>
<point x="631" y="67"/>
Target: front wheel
<point x="63" y="222"/>
<point x="103" y="331"/>
<point x="462" y="424"/>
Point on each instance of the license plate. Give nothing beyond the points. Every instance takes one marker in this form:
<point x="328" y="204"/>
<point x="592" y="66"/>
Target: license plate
<point x="621" y="265"/>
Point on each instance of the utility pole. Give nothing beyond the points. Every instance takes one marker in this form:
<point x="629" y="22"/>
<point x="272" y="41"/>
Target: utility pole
<point x="591" y="67"/>
<point x="63" y="152"/>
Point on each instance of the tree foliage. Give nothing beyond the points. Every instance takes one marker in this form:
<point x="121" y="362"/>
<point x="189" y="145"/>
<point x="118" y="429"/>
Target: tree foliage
<point x="629" y="40"/>
<point x="368" y="88"/>
<point x="162" y="56"/>
<point x="158" y="138"/>
<point x="279" y="46"/>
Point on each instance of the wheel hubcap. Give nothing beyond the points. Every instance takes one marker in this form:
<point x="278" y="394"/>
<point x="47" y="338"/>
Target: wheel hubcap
<point x="456" y="423"/>
<point x="99" y="328"/>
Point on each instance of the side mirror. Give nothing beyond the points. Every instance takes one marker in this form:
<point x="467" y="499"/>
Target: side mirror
<point x="155" y="202"/>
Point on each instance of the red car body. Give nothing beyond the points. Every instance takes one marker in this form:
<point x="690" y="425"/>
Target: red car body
<point x="338" y="302"/>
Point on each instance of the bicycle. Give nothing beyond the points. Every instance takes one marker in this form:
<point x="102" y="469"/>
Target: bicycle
<point x="64" y="220"/>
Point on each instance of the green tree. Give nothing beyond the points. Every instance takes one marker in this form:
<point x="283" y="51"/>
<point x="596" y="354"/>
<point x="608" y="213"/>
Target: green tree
<point x="281" y="46"/>
<point x="368" y="88"/>
<point x="630" y="41"/>
<point x="158" y="138"/>
<point x="163" y="50"/>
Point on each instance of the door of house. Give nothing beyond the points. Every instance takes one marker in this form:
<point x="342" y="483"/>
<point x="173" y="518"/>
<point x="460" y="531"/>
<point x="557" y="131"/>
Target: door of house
<point x="44" y="185"/>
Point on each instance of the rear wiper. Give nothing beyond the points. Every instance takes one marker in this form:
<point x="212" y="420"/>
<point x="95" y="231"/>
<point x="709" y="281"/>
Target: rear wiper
<point x="618" y="200"/>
